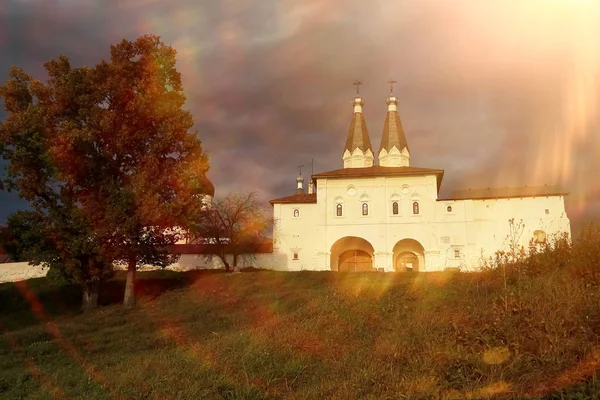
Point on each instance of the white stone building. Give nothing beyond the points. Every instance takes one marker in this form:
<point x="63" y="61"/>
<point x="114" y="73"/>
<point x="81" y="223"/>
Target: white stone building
<point x="390" y="217"/>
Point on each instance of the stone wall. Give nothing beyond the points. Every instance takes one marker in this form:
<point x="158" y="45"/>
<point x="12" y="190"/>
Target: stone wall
<point x="13" y="272"/>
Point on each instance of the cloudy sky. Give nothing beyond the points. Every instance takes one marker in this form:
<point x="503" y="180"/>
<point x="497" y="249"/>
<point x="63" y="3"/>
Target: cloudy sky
<point x="496" y="93"/>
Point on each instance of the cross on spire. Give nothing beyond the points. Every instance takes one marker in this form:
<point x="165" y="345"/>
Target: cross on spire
<point x="391" y="82"/>
<point x="300" y="169"/>
<point x="357" y="83"/>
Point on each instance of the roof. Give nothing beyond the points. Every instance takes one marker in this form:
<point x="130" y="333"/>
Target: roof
<point x="296" y="198"/>
<point x="507" y="192"/>
<point x="393" y="133"/>
<point x="358" y="135"/>
<point x="377" y="170"/>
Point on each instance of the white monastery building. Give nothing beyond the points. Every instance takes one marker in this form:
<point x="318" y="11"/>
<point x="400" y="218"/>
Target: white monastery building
<point x="386" y="217"/>
<point x="389" y="217"/>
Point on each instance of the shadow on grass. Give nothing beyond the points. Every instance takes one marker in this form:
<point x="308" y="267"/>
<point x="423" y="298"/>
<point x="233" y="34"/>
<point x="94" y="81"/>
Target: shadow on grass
<point x="28" y="302"/>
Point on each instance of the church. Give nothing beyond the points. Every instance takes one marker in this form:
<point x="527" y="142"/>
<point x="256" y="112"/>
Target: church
<point x="387" y="217"/>
<point x="390" y="217"/>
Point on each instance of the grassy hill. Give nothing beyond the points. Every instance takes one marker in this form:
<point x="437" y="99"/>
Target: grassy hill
<point x="306" y="335"/>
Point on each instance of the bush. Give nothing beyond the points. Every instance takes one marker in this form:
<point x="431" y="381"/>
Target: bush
<point x="579" y="258"/>
<point x="57" y="276"/>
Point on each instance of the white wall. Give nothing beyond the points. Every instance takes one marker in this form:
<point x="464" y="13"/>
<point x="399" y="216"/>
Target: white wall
<point x="476" y="228"/>
<point x="189" y="262"/>
<point x="13" y="272"/>
<point x="460" y="238"/>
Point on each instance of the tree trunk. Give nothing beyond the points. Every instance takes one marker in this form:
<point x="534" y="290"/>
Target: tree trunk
<point x="129" y="298"/>
<point x="223" y="257"/>
<point x="235" y="259"/>
<point x="90" y="296"/>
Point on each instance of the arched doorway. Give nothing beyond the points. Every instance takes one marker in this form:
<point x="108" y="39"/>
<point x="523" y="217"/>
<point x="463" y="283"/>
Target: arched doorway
<point x="352" y="254"/>
<point x="409" y="256"/>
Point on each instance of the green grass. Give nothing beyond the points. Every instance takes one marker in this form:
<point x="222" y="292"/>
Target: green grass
<point x="304" y="335"/>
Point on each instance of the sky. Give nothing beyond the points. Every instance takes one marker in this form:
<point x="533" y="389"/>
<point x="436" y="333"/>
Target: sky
<point x="496" y="93"/>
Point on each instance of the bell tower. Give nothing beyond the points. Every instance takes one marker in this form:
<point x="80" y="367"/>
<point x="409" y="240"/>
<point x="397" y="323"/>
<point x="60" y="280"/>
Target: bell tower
<point x="393" y="151"/>
<point x="358" y="152"/>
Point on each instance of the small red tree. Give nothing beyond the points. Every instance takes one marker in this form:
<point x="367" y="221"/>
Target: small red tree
<point x="233" y="225"/>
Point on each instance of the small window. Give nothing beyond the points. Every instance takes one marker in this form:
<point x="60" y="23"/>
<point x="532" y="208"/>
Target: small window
<point x="449" y="209"/>
<point x="365" y="209"/>
<point x="539" y="236"/>
<point x="338" y="210"/>
<point x="296" y="256"/>
<point x="456" y="253"/>
<point x="395" y="208"/>
<point x="296" y="213"/>
<point x="416" y="207"/>
<point x="547" y="211"/>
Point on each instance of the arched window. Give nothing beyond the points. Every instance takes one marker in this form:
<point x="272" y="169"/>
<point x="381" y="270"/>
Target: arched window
<point x="539" y="236"/>
<point x="338" y="210"/>
<point x="365" y="209"/>
<point x="416" y="207"/>
<point x="395" y="208"/>
<point x="296" y="213"/>
<point x="449" y="208"/>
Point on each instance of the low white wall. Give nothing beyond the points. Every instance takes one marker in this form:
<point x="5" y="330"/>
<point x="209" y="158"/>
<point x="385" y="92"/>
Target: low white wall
<point x="13" y="272"/>
<point x="189" y="262"/>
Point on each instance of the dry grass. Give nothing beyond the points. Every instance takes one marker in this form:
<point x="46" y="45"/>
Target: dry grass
<point x="310" y="335"/>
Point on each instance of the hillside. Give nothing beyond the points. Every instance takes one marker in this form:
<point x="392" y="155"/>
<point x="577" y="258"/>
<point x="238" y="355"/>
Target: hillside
<point x="304" y="335"/>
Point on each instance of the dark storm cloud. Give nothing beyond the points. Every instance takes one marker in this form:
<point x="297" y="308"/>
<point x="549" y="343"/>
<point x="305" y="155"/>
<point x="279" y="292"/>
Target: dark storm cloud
<point x="484" y="89"/>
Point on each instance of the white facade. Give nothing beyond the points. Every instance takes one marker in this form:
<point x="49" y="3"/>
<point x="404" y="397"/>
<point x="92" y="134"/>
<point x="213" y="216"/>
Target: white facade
<point x="389" y="217"/>
<point x="473" y="228"/>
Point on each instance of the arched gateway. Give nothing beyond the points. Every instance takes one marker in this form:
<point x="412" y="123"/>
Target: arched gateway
<point x="409" y="256"/>
<point x="352" y="254"/>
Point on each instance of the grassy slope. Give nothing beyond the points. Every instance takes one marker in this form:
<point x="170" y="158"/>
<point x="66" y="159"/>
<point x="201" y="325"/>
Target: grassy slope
<point x="303" y="335"/>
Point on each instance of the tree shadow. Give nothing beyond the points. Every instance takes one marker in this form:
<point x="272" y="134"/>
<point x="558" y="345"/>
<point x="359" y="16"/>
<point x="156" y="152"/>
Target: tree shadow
<point x="36" y="300"/>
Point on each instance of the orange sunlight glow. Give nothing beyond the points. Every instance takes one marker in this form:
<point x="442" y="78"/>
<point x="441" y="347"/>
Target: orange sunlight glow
<point x="549" y="50"/>
<point x="580" y="96"/>
<point x="568" y="31"/>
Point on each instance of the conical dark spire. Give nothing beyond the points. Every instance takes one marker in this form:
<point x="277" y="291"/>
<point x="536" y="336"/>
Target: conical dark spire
<point x="393" y="136"/>
<point x="358" y="152"/>
<point x="393" y="133"/>
<point x="358" y="135"/>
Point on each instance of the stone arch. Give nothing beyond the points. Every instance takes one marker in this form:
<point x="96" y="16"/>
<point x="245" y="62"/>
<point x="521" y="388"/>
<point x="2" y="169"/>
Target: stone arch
<point x="351" y="253"/>
<point x="409" y="255"/>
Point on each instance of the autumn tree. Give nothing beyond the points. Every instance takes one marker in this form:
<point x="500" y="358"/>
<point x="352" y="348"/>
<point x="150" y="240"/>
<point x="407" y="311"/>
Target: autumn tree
<point x="118" y="135"/>
<point x="233" y="225"/>
<point x="63" y="244"/>
<point x="56" y="232"/>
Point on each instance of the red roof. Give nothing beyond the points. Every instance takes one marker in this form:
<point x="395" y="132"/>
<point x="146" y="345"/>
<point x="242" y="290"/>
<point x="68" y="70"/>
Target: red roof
<point x="296" y="198"/>
<point x="507" y="192"/>
<point x="376" y="171"/>
<point x="262" y="247"/>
